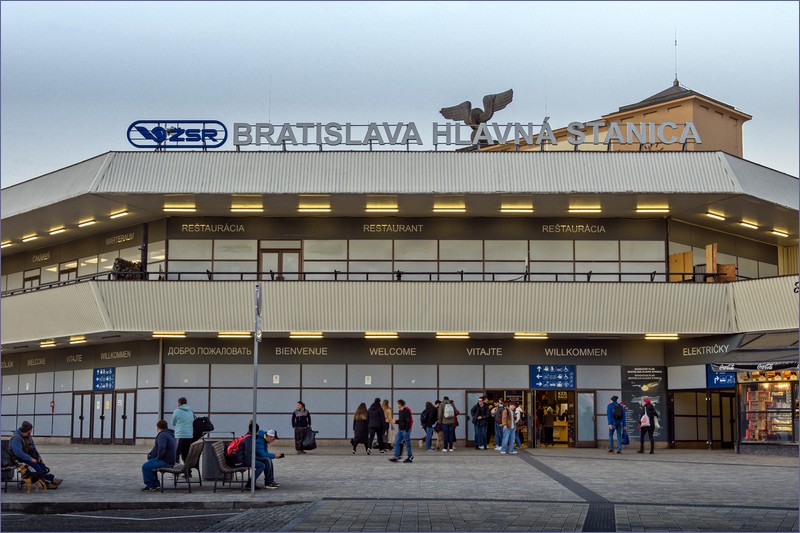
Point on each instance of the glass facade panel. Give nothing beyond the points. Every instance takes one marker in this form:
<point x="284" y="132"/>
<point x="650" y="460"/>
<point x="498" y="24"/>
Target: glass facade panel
<point x="747" y="268"/>
<point x="379" y="249"/>
<point x="551" y="271"/>
<point x="451" y="271"/>
<point x="458" y="250"/>
<point x="376" y="269"/>
<point x="551" y="250"/>
<point x="190" y="249"/>
<point x="678" y="248"/>
<point x="504" y="271"/>
<point x="325" y="249"/>
<point x="285" y="245"/>
<point x="235" y="268"/>
<point x="131" y="254"/>
<point x="641" y="250"/>
<point x="417" y="270"/>
<point x="156" y="251"/>
<point x="600" y="271"/>
<point x="596" y="250"/>
<point x="49" y="274"/>
<point x="235" y="249"/>
<point x="87" y="265"/>
<point x="642" y="271"/>
<point x="182" y="269"/>
<point x="324" y="269"/>
<point x="107" y="261"/>
<point x="425" y="250"/>
<point x="767" y="270"/>
<point x="514" y="250"/>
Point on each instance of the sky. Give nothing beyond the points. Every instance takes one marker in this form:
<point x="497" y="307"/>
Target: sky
<point x="75" y="75"/>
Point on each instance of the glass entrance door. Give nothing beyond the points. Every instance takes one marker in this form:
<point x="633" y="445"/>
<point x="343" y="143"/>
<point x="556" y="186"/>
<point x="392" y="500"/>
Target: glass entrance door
<point x="279" y="265"/>
<point x="124" y="409"/>
<point x="81" y="417"/>
<point x="586" y="421"/>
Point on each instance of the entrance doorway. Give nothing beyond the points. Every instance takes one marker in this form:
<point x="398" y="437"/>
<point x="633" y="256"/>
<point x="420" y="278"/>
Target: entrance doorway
<point x="279" y="265"/>
<point x="521" y="397"/>
<point x="562" y="403"/>
<point x="104" y="417"/>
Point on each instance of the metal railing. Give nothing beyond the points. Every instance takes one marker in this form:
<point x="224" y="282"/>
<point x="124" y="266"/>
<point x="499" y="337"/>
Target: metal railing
<point x="393" y="276"/>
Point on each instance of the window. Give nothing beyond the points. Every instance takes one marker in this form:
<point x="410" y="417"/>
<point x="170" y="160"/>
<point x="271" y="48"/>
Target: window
<point x="768" y="408"/>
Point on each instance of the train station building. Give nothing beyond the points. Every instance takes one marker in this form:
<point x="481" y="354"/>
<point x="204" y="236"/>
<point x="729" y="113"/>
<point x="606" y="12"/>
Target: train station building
<point x="552" y="272"/>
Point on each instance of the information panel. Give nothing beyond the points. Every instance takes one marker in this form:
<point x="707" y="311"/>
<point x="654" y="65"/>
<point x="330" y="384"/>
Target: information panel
<point x="104" y="378"/>
<point x="720" y="380"/>
<point x="552" y="376"/>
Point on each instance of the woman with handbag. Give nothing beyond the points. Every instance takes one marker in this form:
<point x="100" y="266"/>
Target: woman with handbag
<point x="647" y="424"/>
<point x="301" y="422"/>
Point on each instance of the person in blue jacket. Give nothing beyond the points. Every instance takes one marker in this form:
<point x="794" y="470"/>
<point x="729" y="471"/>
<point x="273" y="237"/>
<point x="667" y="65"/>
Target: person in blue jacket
<point x="24" y="451"/>
<point x="161" y="456"/>
<point x="615" y="413"/>
<point x="263" y="456"/>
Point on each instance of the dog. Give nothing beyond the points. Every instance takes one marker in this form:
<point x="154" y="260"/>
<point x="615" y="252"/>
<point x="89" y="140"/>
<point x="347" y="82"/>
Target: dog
<point x="30" y="477"/>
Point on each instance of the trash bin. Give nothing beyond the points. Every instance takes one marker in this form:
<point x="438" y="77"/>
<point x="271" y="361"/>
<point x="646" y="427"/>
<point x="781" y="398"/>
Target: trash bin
<point x="210" y="467"/>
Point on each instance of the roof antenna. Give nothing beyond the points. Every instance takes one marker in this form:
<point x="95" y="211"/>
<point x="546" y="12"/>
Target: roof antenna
<point x="676" y="83"/>
<point x="545" y="95"/>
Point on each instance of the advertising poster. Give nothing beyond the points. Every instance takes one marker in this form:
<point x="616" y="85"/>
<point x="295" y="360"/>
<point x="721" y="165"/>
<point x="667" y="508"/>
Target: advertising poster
<point x="638" y="383"/>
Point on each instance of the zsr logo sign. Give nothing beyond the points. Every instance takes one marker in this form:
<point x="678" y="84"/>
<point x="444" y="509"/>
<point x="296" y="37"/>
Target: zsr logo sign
<point x="177" y="134"/>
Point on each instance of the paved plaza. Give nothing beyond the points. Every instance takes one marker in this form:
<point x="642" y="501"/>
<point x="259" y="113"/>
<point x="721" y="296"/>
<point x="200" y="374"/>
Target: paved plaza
<point x="552" y="489"/>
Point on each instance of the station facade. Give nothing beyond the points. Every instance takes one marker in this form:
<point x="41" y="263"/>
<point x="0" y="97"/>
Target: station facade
<point x="545" y="277"/>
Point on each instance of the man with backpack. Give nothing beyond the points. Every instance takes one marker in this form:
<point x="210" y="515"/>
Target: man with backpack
<point x="447" y="418"/>
<point x="615" y="413"/>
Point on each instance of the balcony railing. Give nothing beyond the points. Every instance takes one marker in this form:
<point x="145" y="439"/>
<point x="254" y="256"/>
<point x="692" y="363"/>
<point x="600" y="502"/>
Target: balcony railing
<point x="394" y="276"/>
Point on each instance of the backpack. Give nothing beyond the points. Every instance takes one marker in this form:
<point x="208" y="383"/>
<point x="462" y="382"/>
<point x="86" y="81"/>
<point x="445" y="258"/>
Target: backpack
<point x="449" y="410"/>
<point x="424" y="418"/>
<point x="618" y="412"/>
<point x="523" y="418"/>
<point x="236" y="446"/>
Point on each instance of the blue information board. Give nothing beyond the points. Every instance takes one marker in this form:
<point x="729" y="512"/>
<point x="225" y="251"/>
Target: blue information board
<point x="552" y="376"/>
<point x="720" y="380"/>
<point x="104" y="378"/>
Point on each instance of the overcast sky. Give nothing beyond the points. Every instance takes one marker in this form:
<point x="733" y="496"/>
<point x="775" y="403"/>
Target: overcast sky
<point x="75" y="75"/>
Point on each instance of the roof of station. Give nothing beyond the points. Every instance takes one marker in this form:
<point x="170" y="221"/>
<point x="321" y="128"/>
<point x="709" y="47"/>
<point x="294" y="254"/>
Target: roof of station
<point x="689" y="182"/>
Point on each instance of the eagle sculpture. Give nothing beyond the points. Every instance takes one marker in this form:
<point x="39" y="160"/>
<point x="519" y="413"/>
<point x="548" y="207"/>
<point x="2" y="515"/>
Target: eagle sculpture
<point x="472" y="117"/>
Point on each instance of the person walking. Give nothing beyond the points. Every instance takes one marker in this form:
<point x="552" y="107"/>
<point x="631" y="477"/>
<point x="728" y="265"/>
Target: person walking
<point x="301" y="422"/>
<point x="428" y="420"/>
<point x="23" y="450"/>
<point x="376" y="420"/>
<point x="508" y="421"/>
<point x="389" y="429"/>
<point x="447" y="417"/>
<point x="361" y="428"/>
<point x="648" y="425"/>
<point x="404" y="423"/>
<point x="161" y="456"/>
<point x="548" y="419"/>
<point x="480" y="419"/>
<point x="183" y="426"/>
<point x="615" y="415"/>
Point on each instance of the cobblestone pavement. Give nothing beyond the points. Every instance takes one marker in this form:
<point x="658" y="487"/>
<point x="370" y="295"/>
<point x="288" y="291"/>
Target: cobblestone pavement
<point x="537" y="490"/>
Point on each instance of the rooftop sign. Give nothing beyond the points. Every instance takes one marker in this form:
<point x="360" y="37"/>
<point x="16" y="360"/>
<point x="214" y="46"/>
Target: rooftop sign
<point x="187" y="134"/>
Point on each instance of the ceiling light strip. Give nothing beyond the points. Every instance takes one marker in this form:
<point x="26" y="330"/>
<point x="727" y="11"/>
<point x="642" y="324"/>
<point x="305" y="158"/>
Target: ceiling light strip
<point x="305" y="334"/>
<point x="715" y="216"/>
